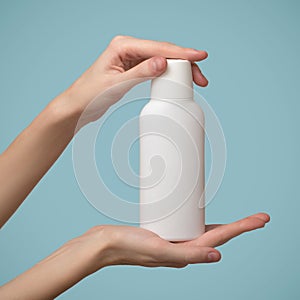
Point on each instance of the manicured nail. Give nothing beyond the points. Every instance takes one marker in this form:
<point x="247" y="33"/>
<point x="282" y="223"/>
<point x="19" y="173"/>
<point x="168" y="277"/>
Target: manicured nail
<point x="158" y="64"/>
<point x="197" y="50"/>
<point x="212" y="256"/>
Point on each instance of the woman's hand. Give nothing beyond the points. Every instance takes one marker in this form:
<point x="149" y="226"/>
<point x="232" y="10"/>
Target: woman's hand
<point x="137" y="246"/>
<point x="109" y="245"/>
<point x="126" y="62"/>
<point x="126" y="245"/>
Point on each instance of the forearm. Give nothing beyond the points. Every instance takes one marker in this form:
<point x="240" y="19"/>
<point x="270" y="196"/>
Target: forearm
<point x="32" y="153"/>
<point x="126" y="62"/>
<point x="52" y="276"/>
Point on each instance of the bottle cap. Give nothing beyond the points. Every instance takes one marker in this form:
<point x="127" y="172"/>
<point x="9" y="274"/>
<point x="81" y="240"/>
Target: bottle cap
<point x="175" y="83"/>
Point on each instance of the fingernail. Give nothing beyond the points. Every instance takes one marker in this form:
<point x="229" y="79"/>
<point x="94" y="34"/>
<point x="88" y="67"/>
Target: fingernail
<point x="212" y="256"/>
<point x="203" y="53"/>
<point x="158" y="64"/>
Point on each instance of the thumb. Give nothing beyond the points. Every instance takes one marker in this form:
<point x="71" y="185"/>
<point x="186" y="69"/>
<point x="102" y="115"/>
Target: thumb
<point x="146" y="70"/>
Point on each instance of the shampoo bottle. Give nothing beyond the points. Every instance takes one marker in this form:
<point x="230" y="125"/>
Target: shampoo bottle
<point x="172" y="157"/>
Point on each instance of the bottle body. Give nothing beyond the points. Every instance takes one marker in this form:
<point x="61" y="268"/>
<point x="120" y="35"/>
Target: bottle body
<point x="172" y="168"/>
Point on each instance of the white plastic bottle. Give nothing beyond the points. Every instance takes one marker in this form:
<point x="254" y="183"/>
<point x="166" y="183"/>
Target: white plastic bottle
<point x="172" y="157"/>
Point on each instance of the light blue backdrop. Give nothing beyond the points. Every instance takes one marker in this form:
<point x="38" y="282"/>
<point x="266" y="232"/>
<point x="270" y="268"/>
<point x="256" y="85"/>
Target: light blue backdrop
<point x="253" y="68"/>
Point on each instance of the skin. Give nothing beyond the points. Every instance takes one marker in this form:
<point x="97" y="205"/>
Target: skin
<point x="126" y="62"/>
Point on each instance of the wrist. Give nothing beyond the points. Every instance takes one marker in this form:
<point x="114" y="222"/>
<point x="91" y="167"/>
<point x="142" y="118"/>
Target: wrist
<point x="97" y="248"/>
<point x="73" y="109"/>
<point x="63" y="112"/>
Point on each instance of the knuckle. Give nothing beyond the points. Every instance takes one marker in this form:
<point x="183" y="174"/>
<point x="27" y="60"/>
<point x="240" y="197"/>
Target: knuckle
<point x="96" y="228"/>
<point x="120" y="44"/>
<point x="118" y="39"/>
<point x="115" y="42"/>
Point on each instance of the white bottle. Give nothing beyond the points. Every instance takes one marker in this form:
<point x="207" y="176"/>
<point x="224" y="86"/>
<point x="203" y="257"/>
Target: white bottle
<point x="172" y="157"/>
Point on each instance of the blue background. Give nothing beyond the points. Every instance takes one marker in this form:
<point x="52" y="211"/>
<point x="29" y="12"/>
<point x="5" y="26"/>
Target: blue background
<point x="253" y="68"/>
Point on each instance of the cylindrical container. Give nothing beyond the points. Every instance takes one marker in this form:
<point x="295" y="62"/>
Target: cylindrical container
<point x="172" y="157"/>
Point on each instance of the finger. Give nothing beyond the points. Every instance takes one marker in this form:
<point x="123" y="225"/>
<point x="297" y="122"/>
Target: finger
<point x="263" y="216"/>
<point x="198" y="77"/>
<point x="182" y="255"/>
<point x="154" y="67"/>
<point x="145" y="70"/>
<point x="212" y="226"/>
<point x="222" y="234"/>
<point x="147" y="48"/>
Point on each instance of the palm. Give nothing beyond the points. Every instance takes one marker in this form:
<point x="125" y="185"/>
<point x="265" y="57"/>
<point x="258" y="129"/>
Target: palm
<point x="217" y="234"/>
<point x="148" y="249"/>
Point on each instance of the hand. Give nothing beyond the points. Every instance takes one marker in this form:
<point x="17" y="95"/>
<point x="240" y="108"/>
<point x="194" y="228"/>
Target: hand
<point x="110" y="245"/>
<point x="126" y="62"/>
<point x="137" y="246"/>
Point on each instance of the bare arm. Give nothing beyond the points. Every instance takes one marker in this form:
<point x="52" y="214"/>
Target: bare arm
<point x="104" y="246"/>
<point x="123" y="64"/>
<point x="29" y="157"/>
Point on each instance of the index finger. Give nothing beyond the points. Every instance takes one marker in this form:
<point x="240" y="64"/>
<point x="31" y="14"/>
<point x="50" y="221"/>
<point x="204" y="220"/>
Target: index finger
<point x="148" y="48"/>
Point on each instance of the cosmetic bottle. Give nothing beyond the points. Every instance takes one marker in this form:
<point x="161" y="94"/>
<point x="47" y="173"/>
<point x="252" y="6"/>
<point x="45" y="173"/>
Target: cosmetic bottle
<point x="172" y="138"/>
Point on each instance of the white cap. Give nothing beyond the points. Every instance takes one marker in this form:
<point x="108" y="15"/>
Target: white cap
<point x="175" y="83"/>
